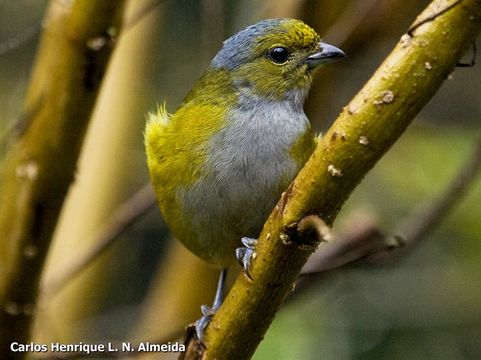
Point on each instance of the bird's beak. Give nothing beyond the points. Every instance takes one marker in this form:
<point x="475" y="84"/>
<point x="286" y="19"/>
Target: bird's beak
<point x="327" y="54"/>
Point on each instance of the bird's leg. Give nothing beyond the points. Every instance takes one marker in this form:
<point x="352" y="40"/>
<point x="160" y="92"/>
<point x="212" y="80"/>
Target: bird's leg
<point x="246" y="253"/>
<point x="208" y="312"/>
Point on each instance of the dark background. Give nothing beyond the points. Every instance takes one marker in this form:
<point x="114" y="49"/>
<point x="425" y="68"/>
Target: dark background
<point x="425" y="304"/>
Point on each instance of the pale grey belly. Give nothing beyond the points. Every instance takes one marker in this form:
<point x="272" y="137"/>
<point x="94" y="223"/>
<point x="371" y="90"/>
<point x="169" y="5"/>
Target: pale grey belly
<point x="234" y="202"/>
<point x="248" y="168"/>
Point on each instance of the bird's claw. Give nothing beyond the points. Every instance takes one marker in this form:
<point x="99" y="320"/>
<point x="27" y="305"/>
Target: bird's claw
<point x="245" y="254"/>
<point x="208" y="312"/>
<point x="202" y="323"/>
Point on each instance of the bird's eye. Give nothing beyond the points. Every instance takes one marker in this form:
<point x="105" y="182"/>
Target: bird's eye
<point x="279" y="55"/>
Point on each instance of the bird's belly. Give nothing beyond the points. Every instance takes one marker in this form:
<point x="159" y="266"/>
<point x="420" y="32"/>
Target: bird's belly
<point x="248" y="167"/>
<point x="231" y="203"/>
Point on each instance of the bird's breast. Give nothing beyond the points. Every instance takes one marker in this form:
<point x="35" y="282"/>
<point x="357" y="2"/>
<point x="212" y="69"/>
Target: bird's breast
<point x="249" y="164"/>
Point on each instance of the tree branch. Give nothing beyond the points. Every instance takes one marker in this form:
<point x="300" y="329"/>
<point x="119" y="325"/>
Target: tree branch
<point x="363" y="132"/>
<point x="364" y="242"/>
<point x="123" y="217"/>
<point x="76" y="44"/>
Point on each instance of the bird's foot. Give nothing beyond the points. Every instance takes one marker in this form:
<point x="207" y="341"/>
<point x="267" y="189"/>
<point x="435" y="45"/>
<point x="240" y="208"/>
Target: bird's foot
<point x="246" y="253"/>
<point x="200" y="325"/>
<point x="209" y="312"/>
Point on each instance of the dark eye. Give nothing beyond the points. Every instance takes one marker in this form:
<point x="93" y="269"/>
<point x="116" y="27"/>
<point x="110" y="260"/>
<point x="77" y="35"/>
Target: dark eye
<point x="279" y="55"/>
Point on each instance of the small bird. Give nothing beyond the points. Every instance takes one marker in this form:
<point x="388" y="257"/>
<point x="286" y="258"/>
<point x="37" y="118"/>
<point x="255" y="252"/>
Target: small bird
<point x="220" y="163"/>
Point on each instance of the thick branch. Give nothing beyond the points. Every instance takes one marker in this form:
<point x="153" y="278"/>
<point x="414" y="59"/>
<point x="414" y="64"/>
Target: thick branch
<point x="76" y="44"/>
<point x="364" y="131"/>
<point x="364" y="242"/>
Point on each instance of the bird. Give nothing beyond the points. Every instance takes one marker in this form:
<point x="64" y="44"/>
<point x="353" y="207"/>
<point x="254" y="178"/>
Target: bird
<point x="220" y="162"/>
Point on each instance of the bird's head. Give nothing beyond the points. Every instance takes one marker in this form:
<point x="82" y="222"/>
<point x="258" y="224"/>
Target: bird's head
<point x="275" y="58"/>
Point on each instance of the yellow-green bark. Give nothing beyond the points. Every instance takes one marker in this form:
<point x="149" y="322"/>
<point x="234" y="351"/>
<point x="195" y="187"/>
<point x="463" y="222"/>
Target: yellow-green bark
<point x="363" y="132"/>
<point x="109" y="157"/>
<point x="76" y="44"/>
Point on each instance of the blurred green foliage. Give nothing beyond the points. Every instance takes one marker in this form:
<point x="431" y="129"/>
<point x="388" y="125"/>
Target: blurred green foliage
<point x="427" y="304"/>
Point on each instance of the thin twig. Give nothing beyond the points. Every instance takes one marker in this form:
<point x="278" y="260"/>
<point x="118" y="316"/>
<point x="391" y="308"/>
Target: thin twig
<point x="361" y="239"/>
<point x="431" y="17"/>
<point x="20" y="38"/>
<point x="121" y="219"/>
<point x="367" y="242"/>
<point x="472" y="62"/>
<point x="426" y="220"/>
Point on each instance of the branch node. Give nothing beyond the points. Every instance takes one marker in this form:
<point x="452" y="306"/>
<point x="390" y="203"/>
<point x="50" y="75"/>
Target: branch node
<point x="307" y="233"/>
<point x="394" y="242"/>
<point x="472" y="62"/>
<point x="193" y="347"/>
<point x="285" y="239"/>
<point x="430" y="18"/>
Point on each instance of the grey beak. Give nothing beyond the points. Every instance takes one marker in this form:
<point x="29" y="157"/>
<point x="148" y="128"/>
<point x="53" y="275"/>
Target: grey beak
<point x="327" y="54"/>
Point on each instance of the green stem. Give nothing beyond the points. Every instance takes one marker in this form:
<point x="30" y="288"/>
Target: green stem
<point x="77" y="41"/>
<point x="363" y="132"/>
